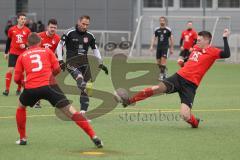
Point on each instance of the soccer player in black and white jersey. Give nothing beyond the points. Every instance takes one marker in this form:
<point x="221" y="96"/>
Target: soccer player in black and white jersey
<point x="164" y="38"/>
<point x="77" y="41"/>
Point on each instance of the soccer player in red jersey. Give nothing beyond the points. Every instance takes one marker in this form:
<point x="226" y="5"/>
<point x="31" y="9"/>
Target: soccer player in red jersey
<point x="16" y="45"/>
<point x="40" y="66"/>
<point x="187" y="79"/>
<point x="50" y="38"/>
<point x="187" y="41"/>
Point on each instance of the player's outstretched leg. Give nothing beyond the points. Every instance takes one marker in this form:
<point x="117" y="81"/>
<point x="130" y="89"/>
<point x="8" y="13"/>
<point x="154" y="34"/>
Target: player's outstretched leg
<point x="185" y="112"/>
<point x="121" y="95"/>
<point x="83" y="123"/>
<point x="21" y="124"/>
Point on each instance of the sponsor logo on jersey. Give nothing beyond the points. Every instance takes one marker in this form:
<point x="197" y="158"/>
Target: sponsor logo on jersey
<point x="19" y="38"/>
<point x="47" y="45"/>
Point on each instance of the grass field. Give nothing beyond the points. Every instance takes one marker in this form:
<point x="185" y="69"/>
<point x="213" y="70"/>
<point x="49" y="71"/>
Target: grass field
<point x="125" y="135"/>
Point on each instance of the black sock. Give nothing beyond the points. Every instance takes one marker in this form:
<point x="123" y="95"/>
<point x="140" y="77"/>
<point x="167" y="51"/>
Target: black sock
<point x="84" y="101"/>
<point x="162" y="68"/>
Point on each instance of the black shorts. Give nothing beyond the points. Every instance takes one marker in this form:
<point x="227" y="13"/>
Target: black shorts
<point x="52" y="94"/>
<point x="185" y="54"/>
<point x="161" y="52"/>
<point x="12" y="60"/>
<point x="84" y="70"/>
<point x="185" y="88"/>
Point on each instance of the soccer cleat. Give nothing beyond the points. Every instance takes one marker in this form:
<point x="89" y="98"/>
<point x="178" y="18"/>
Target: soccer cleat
<point x="121" y="96"/>
<point x="5" y="93"/>
<point x="161" y="77"/>
<point x="196" y="125"/>
<point x="37" y="105"/>
<point x="22" y="141"/>
<point x="98" y="143"/>
<point x="18" y="93"/>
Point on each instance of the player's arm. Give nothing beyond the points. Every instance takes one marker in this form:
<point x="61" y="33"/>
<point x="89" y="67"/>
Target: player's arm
<point x="153" y="42"/>
<point x="97" y="54"/>
<point x="54" y="62"/>
<point x="18" y="71"/>
<point x="8" y="43"/>
<point x="59" y="51"/>
<point x="181" y="41"/>
<point x="171" y="40"/>
<point x="226" y="51"/>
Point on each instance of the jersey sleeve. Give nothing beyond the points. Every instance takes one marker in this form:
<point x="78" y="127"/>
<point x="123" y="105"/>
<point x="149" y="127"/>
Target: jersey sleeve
<point x="195" y="35"/>
<point x="19" y="69"/>
<point x="93" y="43"/>
<point x="60" y="46"/>
<point x="155" y="33"/>
<point x="170" y="32"/>
<point x="10" y="32"/>
<point x="216" y="53"/>
<point x="182" y="35"/>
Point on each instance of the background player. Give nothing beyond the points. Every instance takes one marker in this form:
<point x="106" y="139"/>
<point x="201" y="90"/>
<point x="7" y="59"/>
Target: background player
<point x="15" y="45"/>
<point x="40" y="66"/>
<point x="187" y="41"/>
<point x="187" y="79"/>
<point x="77" y="41"/>
<point x="49" y="39"/>
<point x="163" y="35"/>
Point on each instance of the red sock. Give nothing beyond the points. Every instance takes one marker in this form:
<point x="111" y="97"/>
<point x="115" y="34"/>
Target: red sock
<point x="83" y="123"/>
<point x="147" y="92"/>
<point x="193" y="121"/>
<point x="8" y="78"/>
<point x="20" y="85"/>
<point x="21" y="121"/>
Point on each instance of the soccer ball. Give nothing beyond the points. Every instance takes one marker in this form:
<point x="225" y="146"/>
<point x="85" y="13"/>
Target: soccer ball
<point x="120" y="95"/>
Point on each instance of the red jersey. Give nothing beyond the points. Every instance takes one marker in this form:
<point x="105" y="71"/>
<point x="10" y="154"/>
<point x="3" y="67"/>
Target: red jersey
<point x="200" y="60"/>
<point x="18" y="38"/>
<point x="39" y="64"/>
<point x="49" y="42"/>
<point x="188" y="37"/>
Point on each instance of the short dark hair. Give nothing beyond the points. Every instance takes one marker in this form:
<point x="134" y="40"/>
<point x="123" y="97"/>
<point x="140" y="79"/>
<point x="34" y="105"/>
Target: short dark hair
<point x="206" y="34"/>
<point x="84" y="17"/>
<point x="52" y="21"/>
<point x="33" y="39"/>
<point x="21" y="14"/>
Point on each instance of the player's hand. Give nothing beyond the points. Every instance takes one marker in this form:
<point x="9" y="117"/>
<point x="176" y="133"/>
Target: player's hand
<point x="190" y="50"/>
<point x="151" y="49"/>
<point x="62" y="65"/>
<point x="104" y="68"/>
<point x="22" y="46"/>
<point x="181" y="48"/>
<point x="226" y="32"/>
<point x="171" y="50"/>
<point x="6" y="56"/>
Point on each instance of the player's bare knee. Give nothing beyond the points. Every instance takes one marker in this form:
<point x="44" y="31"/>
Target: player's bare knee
<point x="10" y="70"/>
<point x="160" y="88"/>
<point x="68" y="110"/>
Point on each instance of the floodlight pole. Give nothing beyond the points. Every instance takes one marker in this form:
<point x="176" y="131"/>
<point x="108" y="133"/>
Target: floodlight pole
<point x="139" y="39"/>
<point x="166" y="5"/>
<point x="204" y="14"/>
